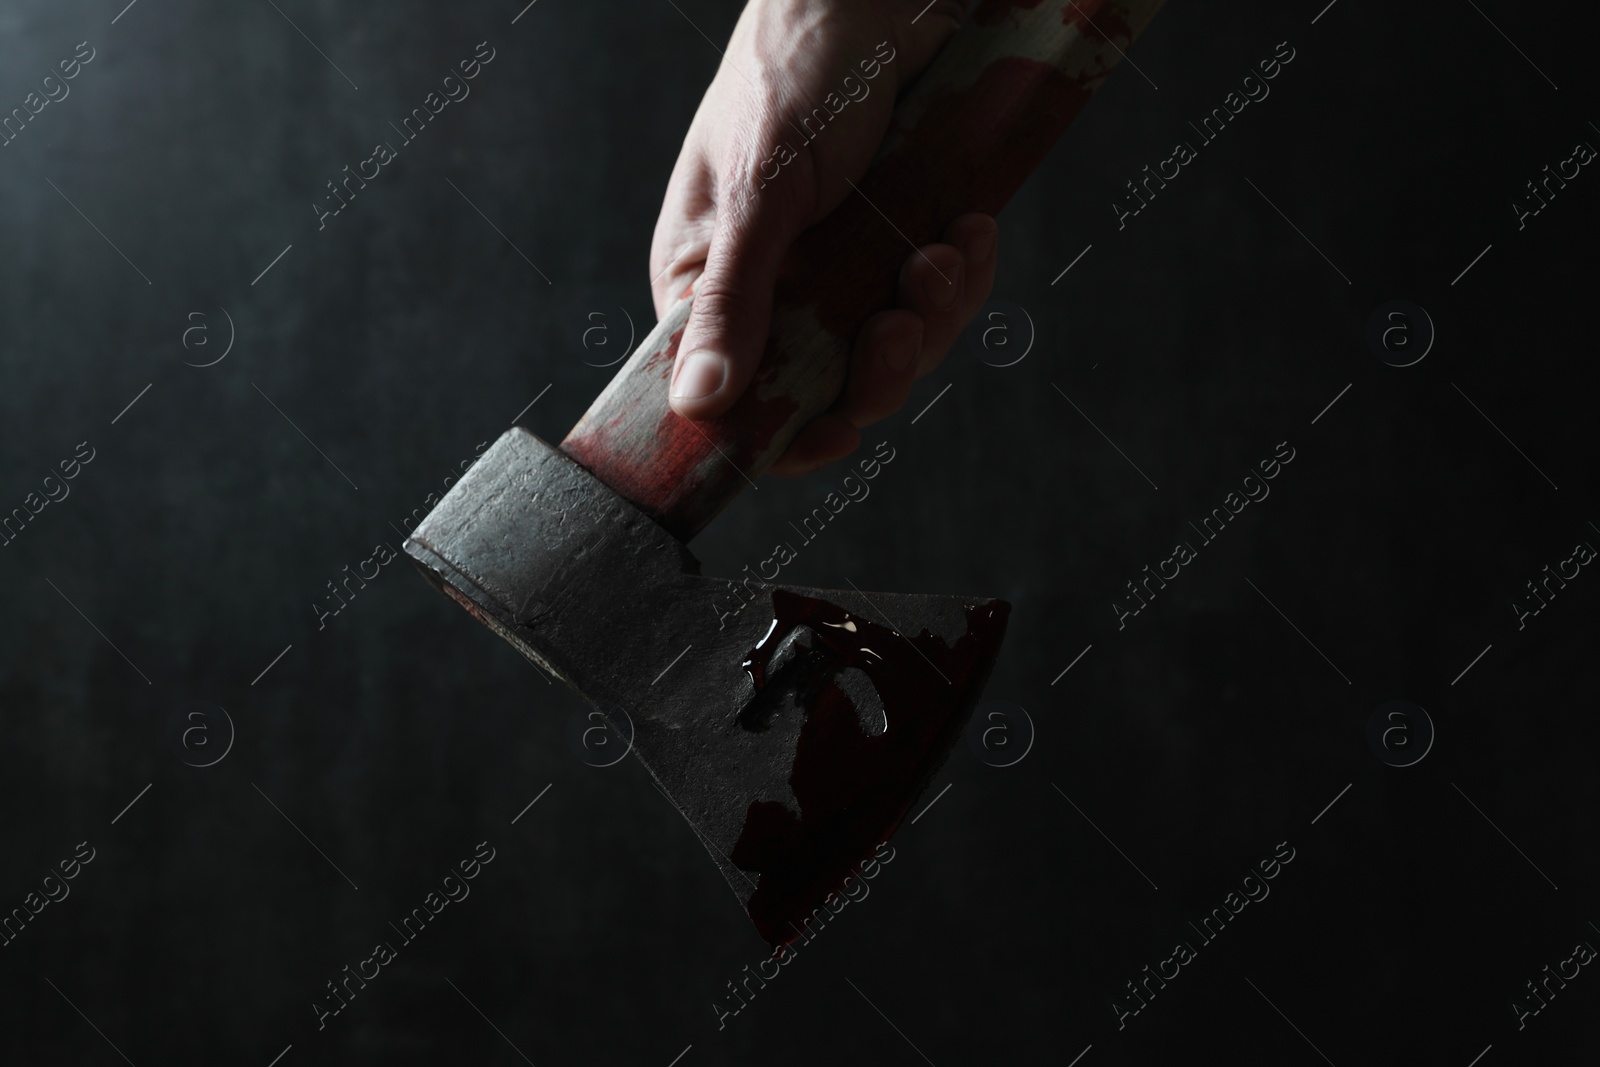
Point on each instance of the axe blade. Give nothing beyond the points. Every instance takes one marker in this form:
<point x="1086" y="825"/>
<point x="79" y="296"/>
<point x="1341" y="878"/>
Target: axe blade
<point x="800" y="725"/>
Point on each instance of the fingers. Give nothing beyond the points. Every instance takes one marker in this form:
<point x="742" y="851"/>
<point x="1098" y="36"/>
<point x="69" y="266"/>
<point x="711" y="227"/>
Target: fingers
<point x="727" y="330"/>
<point x="942" y="286"/>
<point x="888" y="352"/>
<point x="824" y="439"/>
<point x="882" y="368"/>
<point x="947" y="283"/>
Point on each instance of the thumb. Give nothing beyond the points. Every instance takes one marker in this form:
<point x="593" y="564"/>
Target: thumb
<point x="727" y="330"/>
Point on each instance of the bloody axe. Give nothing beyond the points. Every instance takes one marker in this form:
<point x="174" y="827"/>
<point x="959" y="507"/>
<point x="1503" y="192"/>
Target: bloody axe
<point x="798" y="734"/>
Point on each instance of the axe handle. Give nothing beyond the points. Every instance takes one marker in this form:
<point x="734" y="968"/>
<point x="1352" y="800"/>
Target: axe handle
<point x="963" y="138"/>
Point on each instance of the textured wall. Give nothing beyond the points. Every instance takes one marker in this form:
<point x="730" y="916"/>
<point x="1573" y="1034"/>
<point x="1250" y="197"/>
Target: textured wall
<point x="382" y="349"/>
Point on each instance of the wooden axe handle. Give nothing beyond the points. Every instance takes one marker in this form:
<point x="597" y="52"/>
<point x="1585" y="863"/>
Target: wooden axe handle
<point x="963" y="138"/>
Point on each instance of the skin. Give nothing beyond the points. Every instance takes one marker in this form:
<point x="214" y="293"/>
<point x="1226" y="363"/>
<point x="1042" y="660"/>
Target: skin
<point x="718" y="225"/>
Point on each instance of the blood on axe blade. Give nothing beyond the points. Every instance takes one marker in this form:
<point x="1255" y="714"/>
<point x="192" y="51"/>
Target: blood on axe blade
<point x="794" y="740"/>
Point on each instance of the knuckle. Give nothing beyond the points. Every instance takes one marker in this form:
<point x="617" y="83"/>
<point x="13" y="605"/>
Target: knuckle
<point x="718" y="304"/>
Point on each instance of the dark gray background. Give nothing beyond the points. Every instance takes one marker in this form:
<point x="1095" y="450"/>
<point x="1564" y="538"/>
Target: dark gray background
<point x="402" y="734"/>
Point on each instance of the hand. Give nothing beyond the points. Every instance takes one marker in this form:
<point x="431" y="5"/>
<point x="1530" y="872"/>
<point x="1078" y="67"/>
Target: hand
<point x="785" y="59"/>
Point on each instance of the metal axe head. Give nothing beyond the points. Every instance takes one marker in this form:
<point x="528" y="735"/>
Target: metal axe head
<point x="796" y="732"/>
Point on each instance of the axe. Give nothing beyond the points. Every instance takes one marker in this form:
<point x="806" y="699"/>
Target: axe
<point x="796" y="734"/>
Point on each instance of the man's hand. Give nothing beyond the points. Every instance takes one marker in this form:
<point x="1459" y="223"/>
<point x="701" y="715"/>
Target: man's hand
<point x="758" y="167"/>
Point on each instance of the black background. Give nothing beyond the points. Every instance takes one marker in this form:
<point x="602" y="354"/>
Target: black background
<point x="402" y="734"/>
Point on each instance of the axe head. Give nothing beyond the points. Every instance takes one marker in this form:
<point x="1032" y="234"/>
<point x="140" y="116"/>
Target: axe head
<point x="799" y="725"/>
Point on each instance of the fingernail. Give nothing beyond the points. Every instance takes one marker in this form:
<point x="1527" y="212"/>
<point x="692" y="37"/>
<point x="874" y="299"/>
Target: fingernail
<point x="900" y="352"/>
<point x="943" y="291"/>
<point x="699" y="374"/>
